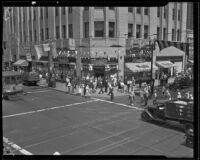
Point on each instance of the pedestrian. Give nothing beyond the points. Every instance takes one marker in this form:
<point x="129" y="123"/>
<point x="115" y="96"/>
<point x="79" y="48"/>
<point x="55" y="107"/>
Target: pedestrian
<point x="128" y="85"/>
<point x="106" y="85"/>
<point x="168" y="95"/>
<point x="69" y="87"/>
<point x="155" y="96"/>
<point x="84" y="89"/>
<point x="163" y="91"/>
<point x="131" y="96"/>
<point x="178" y="94"/>
<point x="101" y="87"/>
<point x="140" y="83"/>
<point x="146" y="94"/>
<point x="191" y="97"/>
<point x="111" y="93"/>
<point x="141" y="96"/>
<point x="122" y="86"/>
<point x="56" y="153"/>
<point x="87" y="92"/>
<point x="187" y="95"/>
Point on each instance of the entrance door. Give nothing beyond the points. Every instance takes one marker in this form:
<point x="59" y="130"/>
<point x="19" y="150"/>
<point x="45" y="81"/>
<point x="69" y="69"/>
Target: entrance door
<point x="99" y="71"/>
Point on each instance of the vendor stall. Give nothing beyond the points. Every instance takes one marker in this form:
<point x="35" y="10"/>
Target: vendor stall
<point x="140" y="71"/>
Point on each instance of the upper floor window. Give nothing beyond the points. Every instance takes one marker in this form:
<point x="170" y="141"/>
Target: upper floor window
<point x="63" y="31"/>
<point x="165" y="10"/>
<point x="99" y="29"/>
<point x="70" y="10"/>
<point x="112" y="29"/>
<point x="173" y="13"/>
<point x="98" y="7"/>
<point x="46" y="12"/>
<point x="146" y="11"/>
<point x="158" y="33"/>
<point x="57" y="12"/>
<point x="86" y="8"/>
<point x="111" y="8"/>
<point x="86" y="29"/>
<point x="130" y="30"/>
<point x="179" y="14"/>
<point x="130" y="9"/>
<point x="146" y="31"/>
<point x="139" y="10"/>
<point x="138" y="31"/>
<point x="41" y="13"/>
<point x="70" y="31"/>
<point x="158" y="11"/>
<point x="57" y="32"/>
<point x="63" y="10"/>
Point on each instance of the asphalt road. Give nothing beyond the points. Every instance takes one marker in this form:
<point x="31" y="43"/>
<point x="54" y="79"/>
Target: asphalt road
<point x="46" y="120"/>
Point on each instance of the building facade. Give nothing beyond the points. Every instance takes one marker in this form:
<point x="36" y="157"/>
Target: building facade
<point x="99" y="35"/>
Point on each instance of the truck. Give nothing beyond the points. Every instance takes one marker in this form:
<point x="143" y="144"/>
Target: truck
<point x="31" y="77"/>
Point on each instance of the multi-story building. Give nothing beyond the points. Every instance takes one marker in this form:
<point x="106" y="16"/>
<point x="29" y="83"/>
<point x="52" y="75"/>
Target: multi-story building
<point x="190" y="37"/>
<point x="101" y="34"/>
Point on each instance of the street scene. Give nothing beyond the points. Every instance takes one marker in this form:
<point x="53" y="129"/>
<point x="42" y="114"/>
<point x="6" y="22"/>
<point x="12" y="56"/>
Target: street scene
<point x="106" y="84"/>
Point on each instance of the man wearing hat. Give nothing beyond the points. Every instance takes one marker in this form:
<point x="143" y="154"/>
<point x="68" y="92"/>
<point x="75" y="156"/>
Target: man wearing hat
<point x="178" y="94"/>
<point x="56" y="153"/>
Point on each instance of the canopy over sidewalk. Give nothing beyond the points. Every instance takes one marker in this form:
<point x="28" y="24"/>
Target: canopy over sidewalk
<point x="21" y="62"/>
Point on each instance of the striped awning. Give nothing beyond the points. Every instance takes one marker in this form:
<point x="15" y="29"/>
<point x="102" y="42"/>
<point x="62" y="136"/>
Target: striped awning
<point x="180" y="45"/>
<point x="165" y="64"/>
<point x="21" y="62"/>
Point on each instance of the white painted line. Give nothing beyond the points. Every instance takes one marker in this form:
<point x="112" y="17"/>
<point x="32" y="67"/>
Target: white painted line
<point x="120" y="104"/>
<point x="39" y="91"/>
<point x="47" y="109"/>
<point x="16" y="147"/>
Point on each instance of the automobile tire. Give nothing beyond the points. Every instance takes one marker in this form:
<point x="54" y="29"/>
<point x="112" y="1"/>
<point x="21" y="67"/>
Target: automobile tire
<point x="145" y="116"/>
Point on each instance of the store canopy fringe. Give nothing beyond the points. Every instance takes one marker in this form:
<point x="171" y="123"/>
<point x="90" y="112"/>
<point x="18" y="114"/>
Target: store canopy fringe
<point x="180" y="45"/>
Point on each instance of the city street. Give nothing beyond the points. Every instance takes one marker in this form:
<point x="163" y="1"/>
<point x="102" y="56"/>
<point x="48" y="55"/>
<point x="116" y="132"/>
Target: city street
<point x="46" y="120"/>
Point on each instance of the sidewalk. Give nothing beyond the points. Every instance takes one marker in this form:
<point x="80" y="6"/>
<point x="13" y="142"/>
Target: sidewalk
<point x="61" y="87"/>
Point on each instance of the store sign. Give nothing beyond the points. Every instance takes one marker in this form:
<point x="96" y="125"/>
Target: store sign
<point x="28" y="57"/>
<point x="99" y="61"/>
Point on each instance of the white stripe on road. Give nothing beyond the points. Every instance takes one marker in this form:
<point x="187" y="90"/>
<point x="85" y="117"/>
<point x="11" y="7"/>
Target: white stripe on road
<point x="120" y="104"/>
<point x="46" y="109"/>
<point x="40" y="91"/>
<point x="16" y="147"/>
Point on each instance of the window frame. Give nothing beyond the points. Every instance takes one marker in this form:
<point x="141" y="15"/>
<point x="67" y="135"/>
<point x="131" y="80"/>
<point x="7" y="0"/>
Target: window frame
<point x="109" y="31"/>
<point x="138" y="25"/>
<point x="147" y="31"/>
<point x="131" y="34"/>
<point x="70" y="30"/>
<point x="138" y="10"/>
<point x="95" y="31"/>
<point x="86" y="27"/>
<point x="130" y="9"/>
<point x="146" y="11"/>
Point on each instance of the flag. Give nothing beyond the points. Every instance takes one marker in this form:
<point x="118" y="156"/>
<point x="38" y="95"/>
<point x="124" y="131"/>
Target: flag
<point x="46" y="47"/>
<point x="39" y="51"/>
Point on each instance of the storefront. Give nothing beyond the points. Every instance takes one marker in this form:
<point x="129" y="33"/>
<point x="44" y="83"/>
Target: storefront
<point x="140" y="71"/>
<point x="170" y="61"/>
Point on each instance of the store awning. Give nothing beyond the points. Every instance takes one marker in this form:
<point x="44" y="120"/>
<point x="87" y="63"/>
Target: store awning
<point x="21" y="62"/>
<point x="190" y="61"/>
<point x="165" y="64"/>
<point x="140" y="67"/>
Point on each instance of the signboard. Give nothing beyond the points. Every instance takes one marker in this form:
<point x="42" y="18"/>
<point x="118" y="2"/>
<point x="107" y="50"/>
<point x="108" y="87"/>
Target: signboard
<point x="99" y="61"/>
<point x="28" y="57"/>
